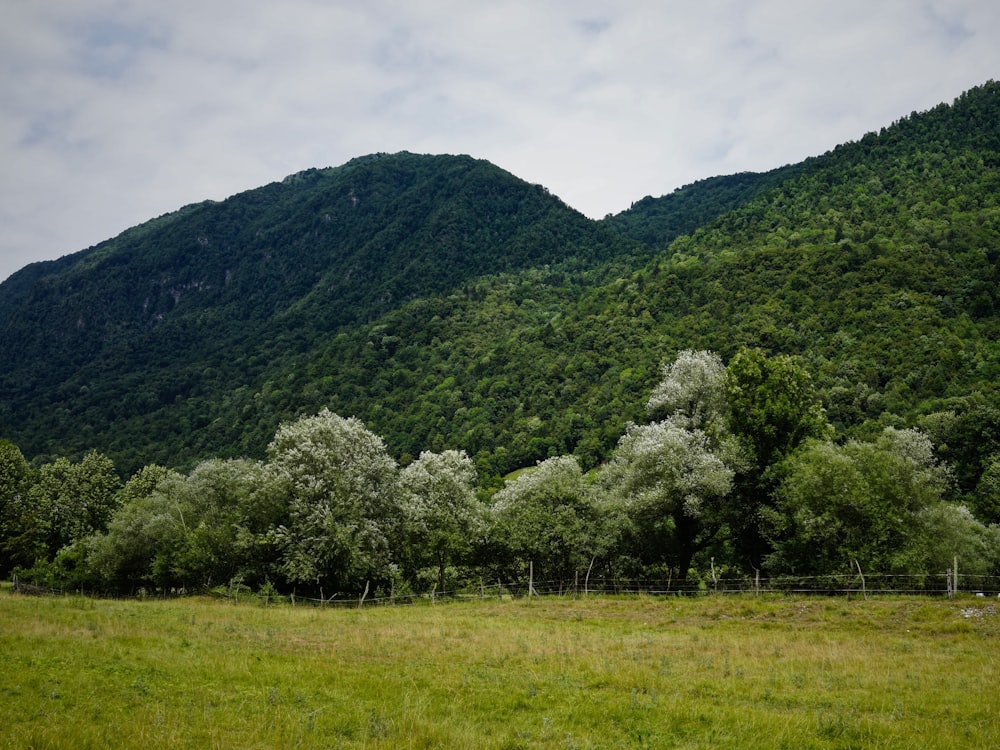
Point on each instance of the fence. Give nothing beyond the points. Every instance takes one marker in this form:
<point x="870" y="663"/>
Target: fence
<point x="830" y="585"/>
<point x="869" y="584"/>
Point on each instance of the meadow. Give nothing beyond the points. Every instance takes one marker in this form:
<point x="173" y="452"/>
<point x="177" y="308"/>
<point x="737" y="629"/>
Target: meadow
<point x="552" y="672"/>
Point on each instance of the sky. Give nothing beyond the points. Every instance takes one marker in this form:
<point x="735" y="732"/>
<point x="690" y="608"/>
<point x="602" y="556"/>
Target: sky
<point x="113" y="112"/>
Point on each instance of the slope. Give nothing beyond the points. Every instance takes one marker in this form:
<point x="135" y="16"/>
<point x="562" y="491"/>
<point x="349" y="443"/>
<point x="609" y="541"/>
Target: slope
<point x="876" y="263"/>
<point x="196" y="302"/>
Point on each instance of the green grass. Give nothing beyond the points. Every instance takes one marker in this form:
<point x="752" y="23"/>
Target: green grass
<point x="550" y="673"/>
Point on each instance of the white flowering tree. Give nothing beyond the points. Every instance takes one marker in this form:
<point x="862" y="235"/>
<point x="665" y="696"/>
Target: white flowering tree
<point x="443" y="516"/>
<point x="671" y="484"/>
<point x="692" y="388"/>
<point x="344" y="513"/>
<point x="547" y="516"/>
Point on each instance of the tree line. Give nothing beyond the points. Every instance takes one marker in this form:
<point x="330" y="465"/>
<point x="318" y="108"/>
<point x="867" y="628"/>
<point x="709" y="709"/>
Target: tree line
<point x="735" y="463"/>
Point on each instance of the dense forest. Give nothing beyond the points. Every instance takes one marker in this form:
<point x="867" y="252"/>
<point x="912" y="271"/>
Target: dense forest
<point x="834" y="325"/>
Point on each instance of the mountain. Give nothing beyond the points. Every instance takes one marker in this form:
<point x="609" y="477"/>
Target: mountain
<point x="196" y="301"/>
<point x="449" y="304"/>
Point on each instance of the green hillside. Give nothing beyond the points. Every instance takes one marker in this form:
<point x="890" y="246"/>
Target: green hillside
<point x="875" y="263"/>
<point x="793" y="372"/>
<point x="448" y="304"/>
<point x="197" y="304"/>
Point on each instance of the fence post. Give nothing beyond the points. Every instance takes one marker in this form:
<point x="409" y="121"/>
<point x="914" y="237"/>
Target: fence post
<point x="954" y="576"/>
<point x="361" y="601"/>
<point x="756" y="582"/>
<point x="864" y="591"/>
<point x="531" y="578"/>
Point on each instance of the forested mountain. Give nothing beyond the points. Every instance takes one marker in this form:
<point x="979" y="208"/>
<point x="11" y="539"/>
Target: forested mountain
<point x="196" y="304"/>
<point x="450" y="305"/>
<point x="658" y="221"/>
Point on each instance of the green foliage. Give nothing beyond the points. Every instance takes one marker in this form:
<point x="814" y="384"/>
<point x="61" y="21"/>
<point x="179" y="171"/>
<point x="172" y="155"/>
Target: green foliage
<point x="167" y="331"/>
<point x="61" y="504"/>
<point x="546" y="516"/>
<point x="344" y="512"/>
<point x="443" y="518"/>
<point x="178" y="531"/>
<point x="449" y="306"/>
<point x="659" y="221"/>
<point x="872" y="502"/>
<point x="987" y="495"/>
<point x="772" y="405"/>
<point x="946" y="532"/>
<point x="18" y="546"/>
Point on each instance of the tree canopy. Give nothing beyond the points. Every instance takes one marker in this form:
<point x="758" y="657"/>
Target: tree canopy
<point x="456" y="311"/>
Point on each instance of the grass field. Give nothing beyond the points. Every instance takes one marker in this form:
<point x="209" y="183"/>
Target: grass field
<point x="706" y="672"/>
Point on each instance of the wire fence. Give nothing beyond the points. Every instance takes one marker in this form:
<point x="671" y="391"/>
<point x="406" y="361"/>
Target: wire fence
<point x="870" y="584"/>
<point x="879" y="584"/>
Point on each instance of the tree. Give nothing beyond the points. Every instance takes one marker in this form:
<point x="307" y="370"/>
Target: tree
<point x="546" y="517"/>
<point x="987" y="494"/>
<point x="69" y="501"/>
<point x="693" y="386"/>
<point x="772" y="408"/>
<point x="861" y="501"/>
<point x="773" y="405"/>
<point x="179" y="531"/>
<point x="144" y="482"/>
<point x="443" y="517"/>
<point x="144" y="527"/>
<point x="208" y="505"/>
<point x="667" y="472"/>
<point x="18" y="544"/>
<point x="343" y="510"/>
<point x="950" y="530"/>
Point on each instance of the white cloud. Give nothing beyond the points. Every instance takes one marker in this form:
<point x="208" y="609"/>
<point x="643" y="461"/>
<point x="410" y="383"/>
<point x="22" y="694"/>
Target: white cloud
<point x="116" y="111"/>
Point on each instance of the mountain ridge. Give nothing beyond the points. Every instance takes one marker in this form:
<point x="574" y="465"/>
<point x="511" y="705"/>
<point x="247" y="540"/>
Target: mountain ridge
<point x="875" y="263"/>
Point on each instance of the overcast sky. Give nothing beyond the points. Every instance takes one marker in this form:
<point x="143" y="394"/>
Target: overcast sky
<point x="116" y="111"/>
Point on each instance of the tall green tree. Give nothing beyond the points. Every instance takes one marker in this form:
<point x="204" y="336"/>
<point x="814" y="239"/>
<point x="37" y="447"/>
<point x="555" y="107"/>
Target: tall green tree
<point x="772" y="407"/>
<point x="862" y="501"/>
<point x="987" y="494"/>
<point x="69" y="501"/>
<point x="22" y="539"/>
